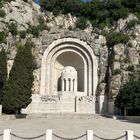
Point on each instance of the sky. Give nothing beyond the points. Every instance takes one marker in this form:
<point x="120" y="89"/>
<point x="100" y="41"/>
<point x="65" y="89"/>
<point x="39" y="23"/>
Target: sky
<point x="86" y="0"/>
<point x="37" y="1"/>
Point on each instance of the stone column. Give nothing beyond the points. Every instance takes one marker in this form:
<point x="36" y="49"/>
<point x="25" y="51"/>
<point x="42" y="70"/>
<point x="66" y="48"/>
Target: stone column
<point x="67" y="85"/>
<point x="75" y="86"/>
<point x="71" y="84"/>
<point x="62" y="84"/>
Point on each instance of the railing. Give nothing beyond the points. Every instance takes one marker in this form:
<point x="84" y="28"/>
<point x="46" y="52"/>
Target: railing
<point x="27" y="138"/>
<point x="136" y="137"/>
<point x="49" y="135"/>
<point x="75" y="138"/>
<point x="118" y="138"/>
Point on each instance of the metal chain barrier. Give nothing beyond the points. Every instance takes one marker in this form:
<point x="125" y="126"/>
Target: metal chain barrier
<point x="27" y="138"/>
<point x="63" y="138"/>
<point x="136" y="137"/>
<point x="101" y="138"/>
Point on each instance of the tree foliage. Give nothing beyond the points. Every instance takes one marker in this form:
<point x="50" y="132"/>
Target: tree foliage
<point x="18" y="88"/>
<point x="114" y="38"/>
<point x="100" y="13"/>
<point x="2" y="37"/>
<point x="3" y="72"/>
<point x="81" y="23"/>
<point x="129" y="98"/>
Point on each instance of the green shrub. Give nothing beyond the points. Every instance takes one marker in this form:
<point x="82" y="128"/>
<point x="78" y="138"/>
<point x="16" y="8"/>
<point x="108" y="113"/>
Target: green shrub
<point x="34" y="30"/>
<point x="129" y="45"/>
<point x="131" y="24"/>
<point x="114" y="38"/>
<point x="81" y="23"/>
<point x="117" y="71"/>
<point x="2" y="37"/>
<point x="128" y="98"/>
<point x="42" y="27"/>
<point x="130" y="68"/>
<point x="71" y="28"/>
<point x="22" y="34"/>
<point x="126" y="60"/>
<point x="120" y="13"/>
<point x="13" y="28"/>
<point x="2" y="13"/>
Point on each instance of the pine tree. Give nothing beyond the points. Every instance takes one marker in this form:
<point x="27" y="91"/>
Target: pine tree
<point x="18" y="89"/>
<point x="3" y="72"/>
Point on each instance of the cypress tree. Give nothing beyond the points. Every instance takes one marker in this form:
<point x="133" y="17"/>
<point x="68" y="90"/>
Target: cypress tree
<point x="18" y="89"/>
<point x="3" y="72"/>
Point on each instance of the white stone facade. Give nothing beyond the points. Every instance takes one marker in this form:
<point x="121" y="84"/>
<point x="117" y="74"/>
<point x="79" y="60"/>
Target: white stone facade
<point x="68" y="79"/>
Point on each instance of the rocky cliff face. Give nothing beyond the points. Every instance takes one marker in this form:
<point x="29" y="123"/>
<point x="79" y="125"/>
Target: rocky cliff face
<point x="126" y="58"/>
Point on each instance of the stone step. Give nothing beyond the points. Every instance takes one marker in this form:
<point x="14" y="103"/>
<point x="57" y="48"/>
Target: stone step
<point x="52" y="115"/>
<point x="65" y="115"/>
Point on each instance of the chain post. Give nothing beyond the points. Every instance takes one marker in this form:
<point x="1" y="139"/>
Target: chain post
<point x="6" y="134"/>
<point x="49" y="134"/>
<point x="89" y="135"/>
<point x="129" y="135"/>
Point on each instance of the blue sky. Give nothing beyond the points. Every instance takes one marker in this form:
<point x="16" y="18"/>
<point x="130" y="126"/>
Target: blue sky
<point x="37" y="1"/>
<point x="86" y="0"/>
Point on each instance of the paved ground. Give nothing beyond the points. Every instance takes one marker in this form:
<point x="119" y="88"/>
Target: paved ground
<point x="106" y="127"/>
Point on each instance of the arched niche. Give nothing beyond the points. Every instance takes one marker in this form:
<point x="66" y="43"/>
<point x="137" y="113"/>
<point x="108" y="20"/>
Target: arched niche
<point x="69" y="58"/>
<point x="68" y="52"/>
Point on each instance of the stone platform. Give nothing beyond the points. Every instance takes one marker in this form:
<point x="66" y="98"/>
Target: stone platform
<point x="51" y="116"/>
<point x="66" y="103"/>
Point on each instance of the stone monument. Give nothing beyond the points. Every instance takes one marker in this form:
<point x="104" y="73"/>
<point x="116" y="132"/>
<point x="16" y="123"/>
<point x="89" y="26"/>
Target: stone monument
<point x="68" y="79"/>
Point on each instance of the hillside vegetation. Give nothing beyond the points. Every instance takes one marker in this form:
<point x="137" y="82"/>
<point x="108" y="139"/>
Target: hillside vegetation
<point x="100" y="13"/>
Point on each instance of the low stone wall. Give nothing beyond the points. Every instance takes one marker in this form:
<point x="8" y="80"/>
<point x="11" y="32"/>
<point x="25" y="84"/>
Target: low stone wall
<point x="132" y="118"/>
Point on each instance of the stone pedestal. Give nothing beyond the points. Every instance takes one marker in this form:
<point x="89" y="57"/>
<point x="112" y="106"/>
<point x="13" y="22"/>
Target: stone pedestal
<point x="67" y="102"/>
<point x="85" y="104"/>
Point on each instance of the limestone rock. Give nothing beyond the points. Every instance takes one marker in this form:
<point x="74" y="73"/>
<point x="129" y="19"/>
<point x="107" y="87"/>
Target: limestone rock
<point x="121" y="24"/>
<point x="37" y="51"/>
<point x="119" y="49"/>
<point x="11" y="53"/>
<point x="102" y="88"/>
<point x="22" y="13"/>
<point x="61" y="21"/>
<point x="36" y="83"/>
<point x="9" y="65"/>
<point x="115" y="82"/>
<point x="117" y="65"/>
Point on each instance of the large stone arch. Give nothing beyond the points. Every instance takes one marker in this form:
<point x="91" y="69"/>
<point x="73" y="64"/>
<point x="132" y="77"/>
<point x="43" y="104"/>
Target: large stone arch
<point x="83" y="50"/>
